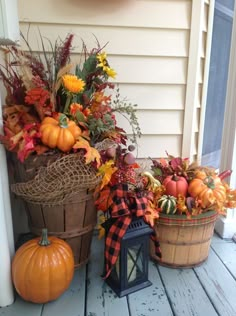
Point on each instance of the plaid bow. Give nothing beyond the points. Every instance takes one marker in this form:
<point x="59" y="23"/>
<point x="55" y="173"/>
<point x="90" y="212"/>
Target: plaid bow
<point x="124" y="205"/>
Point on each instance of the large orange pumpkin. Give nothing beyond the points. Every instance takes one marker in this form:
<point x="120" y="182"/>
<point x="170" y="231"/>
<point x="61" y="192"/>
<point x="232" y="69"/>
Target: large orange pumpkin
<point x="175" y="185"/>
<point x="42" y="268"/>
<point x="59" y="132"/>
<point x="209" y="190"/>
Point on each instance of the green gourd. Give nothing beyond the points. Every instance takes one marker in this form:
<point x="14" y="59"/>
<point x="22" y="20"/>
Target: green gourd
<point x="167" y="204"/>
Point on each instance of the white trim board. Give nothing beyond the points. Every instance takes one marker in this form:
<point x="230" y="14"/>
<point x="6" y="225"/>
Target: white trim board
<point x="227" y="227"/>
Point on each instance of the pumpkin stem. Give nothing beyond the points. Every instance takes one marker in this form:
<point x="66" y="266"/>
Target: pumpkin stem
<point x="175" y="178"/>
<point x="44" y="238"/>
<point x="63" y="121"/>
<point x="209" y="182"/>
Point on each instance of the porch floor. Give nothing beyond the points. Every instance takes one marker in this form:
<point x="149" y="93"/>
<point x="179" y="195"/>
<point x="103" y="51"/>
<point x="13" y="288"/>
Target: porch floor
<point x="209" y="289"/>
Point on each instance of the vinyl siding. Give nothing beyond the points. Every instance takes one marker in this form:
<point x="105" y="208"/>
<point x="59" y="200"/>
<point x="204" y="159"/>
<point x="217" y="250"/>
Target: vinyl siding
<point x="148" y="43"/>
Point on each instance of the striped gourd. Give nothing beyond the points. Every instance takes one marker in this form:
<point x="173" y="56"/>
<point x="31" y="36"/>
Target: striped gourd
<point x="167" y="204"/>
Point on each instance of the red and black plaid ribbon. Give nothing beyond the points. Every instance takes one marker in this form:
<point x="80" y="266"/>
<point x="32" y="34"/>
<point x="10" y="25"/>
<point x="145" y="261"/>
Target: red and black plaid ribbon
<point x="124" y="205"/>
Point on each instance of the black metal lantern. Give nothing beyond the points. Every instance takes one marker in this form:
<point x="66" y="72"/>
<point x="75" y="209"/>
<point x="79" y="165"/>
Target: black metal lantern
<point x="130" y="273"/>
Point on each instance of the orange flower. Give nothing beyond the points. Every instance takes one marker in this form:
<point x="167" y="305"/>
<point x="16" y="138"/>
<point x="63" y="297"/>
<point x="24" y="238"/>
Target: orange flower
<point x="37" y="95"/>
<point x="87" y="112"/>
<point x="40" y="98"/>
<point x="74" y="107"/>
<point x="73" y="84"/>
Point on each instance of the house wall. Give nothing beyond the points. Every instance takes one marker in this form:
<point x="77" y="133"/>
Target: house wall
<point x="158" y="49"/>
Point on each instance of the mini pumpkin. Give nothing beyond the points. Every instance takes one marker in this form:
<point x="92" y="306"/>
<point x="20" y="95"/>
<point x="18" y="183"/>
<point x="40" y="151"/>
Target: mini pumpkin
<point x="167" y="204"/>
<point x="175" y="185"/>
<point x="42" y="268"/>
<point x="59" y="132"/>
<point x="208" y="190"/>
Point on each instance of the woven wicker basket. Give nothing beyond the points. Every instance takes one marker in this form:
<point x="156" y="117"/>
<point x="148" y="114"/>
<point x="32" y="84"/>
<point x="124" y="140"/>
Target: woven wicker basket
<point x="73" y="220"/>
<point x="184" y="242"/>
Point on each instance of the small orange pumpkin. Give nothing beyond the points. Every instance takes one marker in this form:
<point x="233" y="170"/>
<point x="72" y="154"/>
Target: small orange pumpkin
<point x="42" y="268"/>
<point x="59" y="132"/>
<point x="209" y="190"/>
<point x="175" y="185"/>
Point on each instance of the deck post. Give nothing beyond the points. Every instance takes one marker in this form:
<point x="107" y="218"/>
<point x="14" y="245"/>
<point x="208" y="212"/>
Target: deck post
<point x="6" y="231"/>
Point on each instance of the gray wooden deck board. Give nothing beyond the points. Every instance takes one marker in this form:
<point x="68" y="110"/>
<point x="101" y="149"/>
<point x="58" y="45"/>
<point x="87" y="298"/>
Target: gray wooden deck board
<point x="21" y="308"/>
<point x="186" y="293"/>
<point x="219" y="284"/>
<point x="227" y="253"/>
<point x="209" y="289"/>
<point x="101" y="300"/>
<point x="152" y="300"/>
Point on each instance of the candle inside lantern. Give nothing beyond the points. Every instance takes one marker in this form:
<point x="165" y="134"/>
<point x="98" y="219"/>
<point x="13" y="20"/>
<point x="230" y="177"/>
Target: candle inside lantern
<point x="131" y="267"/>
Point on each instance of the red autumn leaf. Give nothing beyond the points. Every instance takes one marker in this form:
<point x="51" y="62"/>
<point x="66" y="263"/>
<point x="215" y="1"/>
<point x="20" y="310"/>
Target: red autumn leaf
<point x="176" y="163"/>
<point x="135" y="165"/>
<point x="25" y="148"/>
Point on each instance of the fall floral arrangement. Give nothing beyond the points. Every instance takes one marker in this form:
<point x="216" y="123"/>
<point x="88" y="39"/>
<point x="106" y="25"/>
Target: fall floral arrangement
<point x="172" y="186"/>
<point x="190" y="189"/>
<point x="120" y="169"/>
<point x="55" y="105"/>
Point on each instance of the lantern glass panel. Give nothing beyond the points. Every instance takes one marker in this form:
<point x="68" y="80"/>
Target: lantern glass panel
<point x="135" y="263"/>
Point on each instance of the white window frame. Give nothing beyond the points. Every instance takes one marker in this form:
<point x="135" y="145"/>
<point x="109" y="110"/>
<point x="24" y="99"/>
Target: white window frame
<point x="226" y="227"/>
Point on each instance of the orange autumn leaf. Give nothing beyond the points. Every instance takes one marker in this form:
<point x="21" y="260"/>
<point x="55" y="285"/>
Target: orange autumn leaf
<point x="104" y="200"/>
<point x="16" y="117"/>
<point x="91" y="153"/>
<point x="181" y="205"/>
<point x="82" y="143"/>
<point x="163" y="162"/>
<point x="230" y="198"/>
<point x="107" y="170"/>
<point x="85" y="134"/>
<point x="40" y="149"/>
<point x="151" y="214"/>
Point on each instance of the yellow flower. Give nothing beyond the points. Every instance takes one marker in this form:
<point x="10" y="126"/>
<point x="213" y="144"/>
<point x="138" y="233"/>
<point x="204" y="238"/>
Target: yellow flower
<point x="110" y="72"/>
<point x="102" y="58"/>
<point x="73" y="84"/>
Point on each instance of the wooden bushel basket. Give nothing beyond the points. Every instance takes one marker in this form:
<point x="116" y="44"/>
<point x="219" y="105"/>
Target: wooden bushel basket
<point x="184" y="242"/>
<point x="73" y="220"/>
